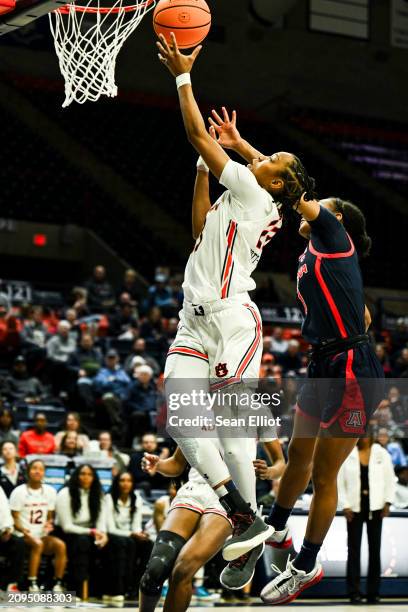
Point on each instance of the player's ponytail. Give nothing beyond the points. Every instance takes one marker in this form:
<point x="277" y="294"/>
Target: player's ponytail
<point x="355" y="224"/>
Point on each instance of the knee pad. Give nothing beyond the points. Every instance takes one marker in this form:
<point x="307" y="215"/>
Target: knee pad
<point x="164" y="554"/>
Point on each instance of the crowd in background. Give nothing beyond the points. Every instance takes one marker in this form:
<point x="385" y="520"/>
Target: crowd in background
<point x="86" y="381"/>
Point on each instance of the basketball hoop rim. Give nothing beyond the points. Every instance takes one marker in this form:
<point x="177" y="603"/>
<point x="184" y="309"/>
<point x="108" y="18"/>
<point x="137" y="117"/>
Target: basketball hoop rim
<point x="103" y="10"/>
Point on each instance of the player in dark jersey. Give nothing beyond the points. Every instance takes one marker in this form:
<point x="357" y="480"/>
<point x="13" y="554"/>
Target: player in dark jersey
<point x="345" y="379"/>
<point x="344" y="384"/>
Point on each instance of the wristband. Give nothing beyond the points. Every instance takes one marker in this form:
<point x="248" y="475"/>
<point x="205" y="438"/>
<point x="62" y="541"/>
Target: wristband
<point x="202" y="166"/>
<point x="183" y="79"/>
<point x="93" y="531"/>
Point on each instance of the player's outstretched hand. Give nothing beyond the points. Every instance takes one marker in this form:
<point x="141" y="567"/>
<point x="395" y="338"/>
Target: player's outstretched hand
<point x="150" y="463"/>
<point x="170" y="56"/>
<point x="224" y="129"/>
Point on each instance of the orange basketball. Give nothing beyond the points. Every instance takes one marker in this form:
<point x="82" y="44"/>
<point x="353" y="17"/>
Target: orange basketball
<point x="190" y="20"/>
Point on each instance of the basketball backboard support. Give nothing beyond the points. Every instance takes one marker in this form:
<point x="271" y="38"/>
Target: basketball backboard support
<point x="16" y="14"/>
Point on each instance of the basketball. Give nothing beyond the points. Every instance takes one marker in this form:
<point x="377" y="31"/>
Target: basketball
<point x="189" y="20"/>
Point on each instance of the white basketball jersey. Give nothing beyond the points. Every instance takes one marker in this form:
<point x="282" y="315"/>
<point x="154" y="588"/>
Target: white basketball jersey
<point x="33" y="506"/>
<point x="242" y="221"/>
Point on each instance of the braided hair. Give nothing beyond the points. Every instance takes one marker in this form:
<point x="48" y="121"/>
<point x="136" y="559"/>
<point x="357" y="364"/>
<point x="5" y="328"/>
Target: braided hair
<point x="297" y="182"/>
<point x="355" y="224"/>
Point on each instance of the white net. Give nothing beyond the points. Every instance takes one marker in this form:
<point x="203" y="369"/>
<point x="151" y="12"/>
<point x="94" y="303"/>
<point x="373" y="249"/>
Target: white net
<point x="87" y="42"/>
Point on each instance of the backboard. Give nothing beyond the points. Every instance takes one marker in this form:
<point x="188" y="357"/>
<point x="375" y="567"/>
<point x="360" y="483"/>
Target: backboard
<point x="15" y="14"/>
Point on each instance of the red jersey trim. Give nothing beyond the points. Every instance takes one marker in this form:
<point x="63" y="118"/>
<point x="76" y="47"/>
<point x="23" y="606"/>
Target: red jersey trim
<point x="348" y="253"/>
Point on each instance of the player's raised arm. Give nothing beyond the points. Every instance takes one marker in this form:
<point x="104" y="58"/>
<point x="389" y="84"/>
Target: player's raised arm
<point x="201" y="198"/>
<point x="180" y="66"/>
<point x="224" y="129"/>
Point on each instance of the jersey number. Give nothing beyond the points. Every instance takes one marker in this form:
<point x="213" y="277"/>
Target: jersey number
<point x="36" y="517"/>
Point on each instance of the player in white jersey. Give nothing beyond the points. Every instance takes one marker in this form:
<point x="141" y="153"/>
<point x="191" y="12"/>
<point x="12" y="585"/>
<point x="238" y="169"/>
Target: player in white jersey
<point x="32" y="506"/>
<point x="220" y="332"/>
<point x="194" y="530"/>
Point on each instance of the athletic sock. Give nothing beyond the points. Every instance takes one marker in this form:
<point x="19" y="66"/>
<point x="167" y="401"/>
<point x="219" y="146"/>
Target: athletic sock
<point x="306" y="558"/>
<point x="278" y="517"/>
<point x="232" y="501"/>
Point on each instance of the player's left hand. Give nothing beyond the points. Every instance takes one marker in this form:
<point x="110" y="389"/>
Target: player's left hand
<point x="170" y="56"/>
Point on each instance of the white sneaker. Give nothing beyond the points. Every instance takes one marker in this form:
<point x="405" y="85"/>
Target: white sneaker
<point x="289" y="584"/>
<point x="34" y="588"/>
<point x="117" y="599"/>
<point x="280" y="539"/>
<point x="58" y="588"/>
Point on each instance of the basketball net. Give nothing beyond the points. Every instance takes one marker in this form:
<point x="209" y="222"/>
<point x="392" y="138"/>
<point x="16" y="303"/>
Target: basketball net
<point x="87" y="52"/>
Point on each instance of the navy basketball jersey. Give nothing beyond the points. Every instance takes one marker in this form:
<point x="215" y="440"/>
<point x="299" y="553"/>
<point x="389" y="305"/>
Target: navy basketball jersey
<point x="329" y="283"/>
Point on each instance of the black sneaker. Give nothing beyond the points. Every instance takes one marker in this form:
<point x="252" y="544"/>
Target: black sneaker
<point x="249" y="532"/>
<point x="240" y="572"/>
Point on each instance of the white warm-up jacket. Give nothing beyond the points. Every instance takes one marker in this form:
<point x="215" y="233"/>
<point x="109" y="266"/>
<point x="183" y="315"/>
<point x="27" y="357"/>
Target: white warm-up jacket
<point x="381" y="479"/>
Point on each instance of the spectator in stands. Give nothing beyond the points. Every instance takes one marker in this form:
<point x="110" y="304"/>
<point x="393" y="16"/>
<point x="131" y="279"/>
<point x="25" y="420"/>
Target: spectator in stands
<point x="10" y="328"/>
<point x="160" y="295"/>
<point x="401" y="488"/>
<point x="366" y="491"/>
<point x="32" y="506"/>
<point x="21" y="387"/>
<point x="398" y="406"/>
<point x="139" y="351"/>
<point x="141" y="402"/>
<point x="81" y="514"/>
<point x="72" y="422"/>
<point x="35" y="330"/>
<point x="267" y="363"/>
<point x="11" y="546"/>
<point x="38" y="440"/>
<point x="69" y="445"/>
<point x="278" y="343"/>
<point x="152" y="328"/>
<point x="61" y="346"/>
<point x="171" y="330"/>
<point x="384" y="359"/>
<point x="87" y="359"/>
<point x="399" y="337"/>
<point x="101" y="297"/>
<point x="291" y="360"/>
<point x="393" y="447"/>
<point x="71" y="317"/>
<point x="111" y="384"/>
<point x="80" y="301"/>
<point x="112" y="378"/>
<point x="142" y="480"/>
<point x="129" y="547"/>
<point x="106" y="445"/>
<point x="124" y="322"/>
<point x="12" y="473"/>
<point x="132" y="286"/>
<point x="401" y="364"/>
<point x="7" y="428"/>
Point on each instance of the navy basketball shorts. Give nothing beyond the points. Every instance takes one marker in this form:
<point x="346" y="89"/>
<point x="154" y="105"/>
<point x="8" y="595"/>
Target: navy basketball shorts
<point x="343" y="390"/>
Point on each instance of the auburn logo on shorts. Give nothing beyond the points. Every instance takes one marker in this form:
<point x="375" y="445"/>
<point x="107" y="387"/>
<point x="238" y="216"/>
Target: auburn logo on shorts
<point x="221" y="370"/>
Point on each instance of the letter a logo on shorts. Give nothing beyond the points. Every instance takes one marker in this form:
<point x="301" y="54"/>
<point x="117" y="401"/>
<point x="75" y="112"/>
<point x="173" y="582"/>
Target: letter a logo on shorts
<point x="354" y="420"/>
<point x="221" y="370"/>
